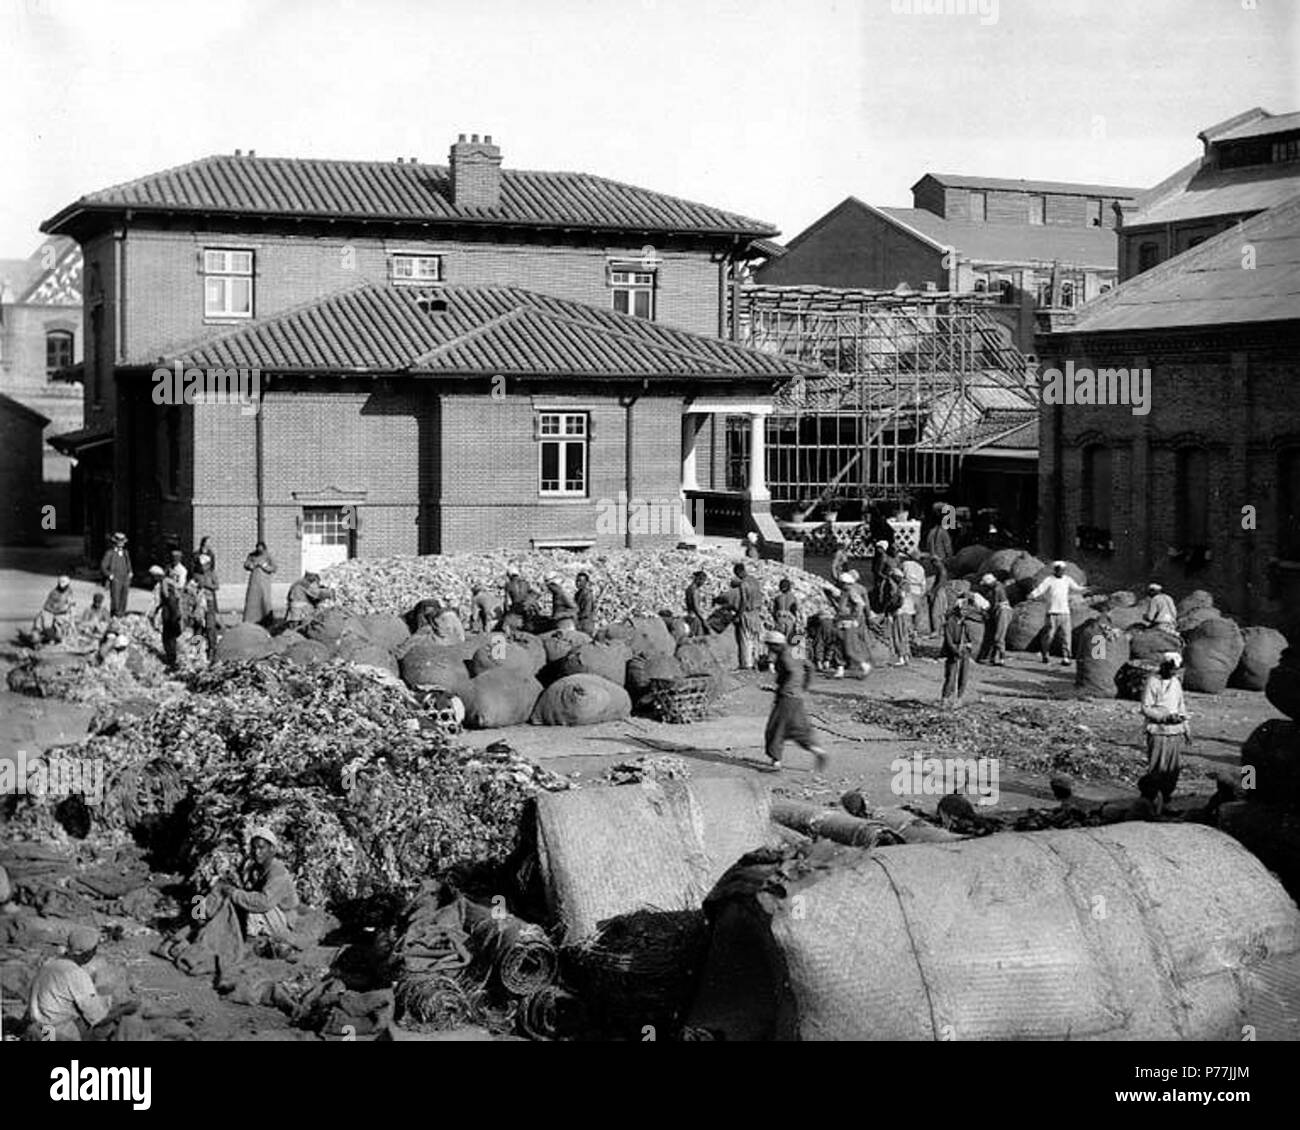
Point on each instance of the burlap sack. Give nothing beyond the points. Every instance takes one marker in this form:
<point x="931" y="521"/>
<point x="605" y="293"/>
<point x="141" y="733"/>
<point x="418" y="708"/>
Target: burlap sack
<point x="650" y="636"/>
<point x="512" y="652"/>
<point x="244" y="641"/>
<point x="608" y="660"/>
<point x="364" y="653"/>
<point x="1212" y="654"/>
<point x="1025" y="568"/>
<point x="969" y="561"/>
<point x="695" y="657"/>
<point x="581" y="700"/>
<point x="560" y="642"/>
<point x="1001" y="562"/>
<point x="1262" y="650"/>
<point x="501" y="696"/>
<point x="1152" y="643"/>
<point x="436" y="667"/>
<point x="305" y="652"/>
<point x="1027" y="622"/>
<point x="1100" y="650"/>
<point x="331" y="624"/>
<point x="1195" y="617"/>
<point x="385" y="629"/>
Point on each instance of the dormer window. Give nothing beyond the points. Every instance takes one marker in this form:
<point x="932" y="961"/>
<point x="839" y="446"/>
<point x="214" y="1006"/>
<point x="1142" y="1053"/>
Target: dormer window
<point x="414" y="269"/>
<point x="1286" y="150"/>
<point x="227" y="283"/>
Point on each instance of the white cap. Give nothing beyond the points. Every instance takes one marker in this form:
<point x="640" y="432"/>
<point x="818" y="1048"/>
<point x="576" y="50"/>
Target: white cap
<point x="773" y="637"/>
<point x="262" y="832"/>
<point x="882" y="545"/>
<point x="512" y="571"/>
<point x="1154" y="587"/>
<point x="1058" y="564"/>
<point x="156" y="571"/>
<point x="988" y="579"/>
<point x="752" y="536"/>
<point x="854" y="576"/>
<point x="846" y="578"/>
<point x="1172" y="657"/>
<point x="64" y="581"/>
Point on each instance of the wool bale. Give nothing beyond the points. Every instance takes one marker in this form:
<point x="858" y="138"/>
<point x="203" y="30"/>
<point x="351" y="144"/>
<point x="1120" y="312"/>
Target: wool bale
<point x="1196" y="935"/>
<point x="244" y="641"/>
<point x="436" y="667"/>
<point x="650" y="636"/>
<point x="582" y="700"/>
<point x="365" y="653"/>
<point x="1125" y="617"/>
<point x="1001" y="561"/>
<point x="1195" y="617"/>
<point x="330" y="625"/>
<point x="1262" y="650"/>
<point x="1194" y="600"/>
<point x="283" y="641"/>
<point x="969" y="561"/>
<point x="643" y="670"/>
<point x="695" y="657"/>
<point x="725" y="649"/>
<point x="1026" y="568"/>
<point x="521" y="652"/>
<point x="1152" y="643"/>
<point x="608" y="660"/>
<point x="1283" y="686"/>
<point x="306" y="653"/>
<point x="384" y="629"/>
<point x="1100" y="650"/>
<point x="1027" y="622"/>
<point x="1122" y="599"/>
<point x="612" y="632"/>
<point x="1271" y="832"/>
<point x="1213" y="651"/>
<point x="559" y="643"/>
<point x="501" y="696"/>
<point x="1273" y="751"/>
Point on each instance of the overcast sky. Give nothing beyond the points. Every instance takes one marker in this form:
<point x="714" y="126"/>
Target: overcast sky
<point x="774" y="108"/>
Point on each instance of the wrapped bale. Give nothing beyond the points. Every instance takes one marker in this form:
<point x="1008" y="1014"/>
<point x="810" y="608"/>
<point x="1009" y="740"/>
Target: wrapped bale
<point x="365" y="653"/>
<point x="616" y="850"/>
<point x="514" y="652"/>
<point x="1026" y="568"/>
<point x="559" y="643"/>
<point x="1196" y="934"/>
<point x="502" y="696"/>
<point x="1213" y="652"/>
<point x="244" y="641"/>
<point x="1194" y="601"/>
<point x="1262" y="650"/>
<point x="643" y="670"/>
<point x="281" y="643"/>
<point x="384" y="629"/>
<point x="1100" y="650"/>
<point x="650" y="636"/>
<point x="1152" y="643"/>
<point x="608" y="660"/>
<point x="611" y="633"/>
<point x="969" y="560"/>
<point x="436" y="667"/>
<point x="306" y="653"/>
<point x="1028" y="619"/>
<point x="1125" y="618"/>
<point x="1273" y="751"/>
<point x="581" y="700"/>
<point x="331" y="624"/>
<point x="1001" y="561"/>
<point x="1283" y="686"/>
<point x="1190" y="621"/>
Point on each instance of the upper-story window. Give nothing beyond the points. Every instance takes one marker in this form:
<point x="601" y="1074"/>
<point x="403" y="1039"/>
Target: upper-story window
<point x="406" y="268"/>
<point x="562" y="454"/>
<point x="1093" y="213"/>
<point x="633" y="291"/>
<point x="979" y="202"/>
<point x="1037" y="210"/>
<point x="58" y="350"/>
<point x="1286" y="150"/>
<point x="1067" y="294"/>
<point x="227" y="283"/>
<point x="1148" y="256"/>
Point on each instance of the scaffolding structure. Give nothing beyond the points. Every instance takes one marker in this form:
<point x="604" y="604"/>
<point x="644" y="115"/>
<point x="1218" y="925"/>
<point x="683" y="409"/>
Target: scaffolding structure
<point x="897" y="411"/>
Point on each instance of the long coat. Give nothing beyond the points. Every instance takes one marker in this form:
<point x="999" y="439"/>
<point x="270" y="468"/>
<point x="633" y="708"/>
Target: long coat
<point x="116" y="570"/>
<point x="257" y="601"/>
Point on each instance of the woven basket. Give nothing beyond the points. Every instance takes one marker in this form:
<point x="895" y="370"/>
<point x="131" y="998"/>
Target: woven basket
<point x="680" y="701"/>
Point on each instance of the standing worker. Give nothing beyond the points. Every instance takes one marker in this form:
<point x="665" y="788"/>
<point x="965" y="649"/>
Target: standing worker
<point x="1165" y="712"/>
<point x="1057" y="588"/>
<point x="521" y="601"/>
<point x="851" y="611"/>
<point x="938" y="595"/>
<point x="749" y="617"/>
<point x="753" y="552"/>
<point x="788" y="720"/>
<point x="840" y="562"/>
<point x="205" y="563"/>
<point x="785" y="610"/>
<point x="259" y="565"/>
<point x="115" y="568"/>
<point x="484" y="611"/>
<point x="697" y="612"/>
<point x="938" y="542"/>
<point x="957" y="646"/>
<point x="996" y="622"/>
<point x="584" y="598"/>
<point x="167" y="609"/>
<point x="564" y="612"/>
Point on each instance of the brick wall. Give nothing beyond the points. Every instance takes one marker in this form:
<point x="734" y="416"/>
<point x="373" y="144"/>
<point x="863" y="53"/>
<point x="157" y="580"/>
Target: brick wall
<point x="20" y="472"/>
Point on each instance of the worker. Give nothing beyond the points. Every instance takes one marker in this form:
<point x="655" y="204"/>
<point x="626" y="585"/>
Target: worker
<point x="851" y="612"/>
<point x="785" y="610"/>
<point x="53" y="623"/>
<point x="824" y="649"/>
<point x="93" y="622"/>
<point x="753" y="551"/>
<point x="266" y="899"/>
<point x="521" y="601"/>
<point x="485" y="609"/>
<point x="788" y="720"/>
<point x="1165" y="712"/>
<point x="203" y="615"/>
<point x="840" y="560"/>
<point x="564" y="613"/>
<point x="166" y="613"/>
<point x="1160" y="613"/>
<point x="938" y="542"/>
<point x="584" y="599"/>
<point x="63" y="1003"/>
<point x="883" y="567"/>
<point x="914" y="584"/>
<point x="938" y="593"/>
<point x="115" y="569"/>
<point x="903" y="618"/>
<point x="1057" y="588"/>
<point x="697" y="610"/>
<point x="259" y="565"/>
<point x="176" y="569"/>
<point x="305" y="595"/>
<point x="749" y="616"/>
<point x="957" y="646"/>
<point x="205" y="568"/>
<point x="996" y="621"/>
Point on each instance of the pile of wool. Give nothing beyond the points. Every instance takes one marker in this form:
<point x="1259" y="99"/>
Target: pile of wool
<point x="628" y="583"/>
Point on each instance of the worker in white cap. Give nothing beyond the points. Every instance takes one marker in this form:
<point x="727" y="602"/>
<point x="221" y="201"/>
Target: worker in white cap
<point x="53" y="623"/>
<point x="997" y="620"/>
<point x="267" y="900"/>
<point x="1167" y="731"/>
<point x="564" y="612"/>
<point x="63" y="1003"/>
<point x="753" y="552"/>
<point x="1057" y="589"/>
<point x="788" y="720"/>
<point x="852" y="613"/>
<point x="1161" y="612"/>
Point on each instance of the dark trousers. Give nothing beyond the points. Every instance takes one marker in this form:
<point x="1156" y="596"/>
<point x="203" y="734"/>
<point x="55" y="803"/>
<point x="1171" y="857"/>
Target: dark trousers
<point x="170" y="638"/>
<point x="119" y="592"/>
<point x="956" y="669"/>
<point x="996" y="623"/>
<point x="787" y="723"/>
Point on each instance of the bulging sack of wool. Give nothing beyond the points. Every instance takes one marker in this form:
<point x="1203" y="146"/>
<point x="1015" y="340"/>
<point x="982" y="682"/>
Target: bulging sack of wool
<point x="725" y="649"/>
<point x="1100" y="650"/>
<point x="1262" y="650"/>
<point x="560" y="642"/>
<point x="1027" y="622"/>
<point x="244" y="641"/>
<point x="285" y="640"/>
<point x="509" y="652"/>
<point x="436" y="667"/>
<point x="1122" y="599"/>
<point x="1126" y="617"/>
<point x="365" y="653"/>
<point x="1000" y="562"/>
<point x="608" y="660"/>
<point x="612" y="632"/>
<point x="1213" y="652"/>
<point x="644" y="670"/>
<point x="1283" y="686"/>
<point x="650" y="636"/>
<point x="1026" y="568"/>
<point x="581" y="700"/>
<point x="998" y="938"/>
<point x="385" y="629"/>
<point x="306" y="653"/>
<point x="1273" y="751"/>
<point x="1194" y="600"/>
<point x="331" y="624"/>
<point x="1152" y="643"/>
<point x="695" y="657"/>
<point x="1194" y="618"/>
<point x="969" y="560"/>
<point x="502" y="696"/>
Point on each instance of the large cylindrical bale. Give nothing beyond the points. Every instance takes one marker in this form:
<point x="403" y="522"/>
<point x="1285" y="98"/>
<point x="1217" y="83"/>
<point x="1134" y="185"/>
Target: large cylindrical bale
<point x="1213" y="652"/>
<point x="1128" y="932"/>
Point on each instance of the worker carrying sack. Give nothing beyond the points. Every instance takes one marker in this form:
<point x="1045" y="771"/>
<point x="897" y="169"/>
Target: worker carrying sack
<point x="581" y="700"/>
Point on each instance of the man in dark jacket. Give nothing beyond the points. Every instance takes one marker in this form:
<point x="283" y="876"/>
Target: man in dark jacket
<point x="584" y="598"/>
<point x="521" y="601"/>
<point x="788" y="720"/>
<point x="115" y="568"/>
<point x="168" y="611"/>
<point x="957" y="646"/>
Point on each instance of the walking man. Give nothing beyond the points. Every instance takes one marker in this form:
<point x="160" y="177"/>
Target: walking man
<point x="996" y="622"/>
<point x="115" y="568"/>
<point x="788" y="720"/>
<point x="1165" y="712"/>
<point x="1057" y="588"/>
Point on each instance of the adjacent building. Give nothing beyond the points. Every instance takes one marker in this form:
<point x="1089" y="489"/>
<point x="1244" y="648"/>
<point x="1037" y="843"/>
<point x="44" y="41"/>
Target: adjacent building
<point x="20" y="472"/>
<point x="409" y="357"/>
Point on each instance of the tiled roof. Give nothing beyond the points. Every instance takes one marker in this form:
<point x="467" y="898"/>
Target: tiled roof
<point x="1210" y="285"/>
<point x="1262" y="127"/>
<point x="375" y="190"/>
<point x="1196" y="193"/>
<point x="1014" y="243"/>
<point x="481" y="330"/>
<point x="1057" y="188"/>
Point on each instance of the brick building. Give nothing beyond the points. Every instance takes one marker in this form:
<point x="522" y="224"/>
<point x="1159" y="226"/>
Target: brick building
<point x="20" y="472"/>
<point x="1202" y="491"/>
<point x="40" y="346"/>
<point x="449" y="357"/>
<point x="1032" y="244"/>
<point x="1251" y="163"/>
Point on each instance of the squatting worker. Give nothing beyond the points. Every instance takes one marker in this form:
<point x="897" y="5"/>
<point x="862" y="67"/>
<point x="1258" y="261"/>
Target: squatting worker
<point x="63" y="1003"/>
<point x="521" y="601"/>
<point x="788" y="720"/>
<point x="304" y="595"/>
<point x="115" y="568"/>
<point x="1161" y="612"/>
<point x="485" y="610"/>
<point x="1167" y="731"/>
<point x="267" y="900"/>
<point x="1057" y="588"/>
<point x="54" y="620"/>
<point x="749" y="617"/>
<point x="996" y="621"/>
<point x="564" y="613"/>
<point x="697" y="611"/>
<point x="584" y="598"/>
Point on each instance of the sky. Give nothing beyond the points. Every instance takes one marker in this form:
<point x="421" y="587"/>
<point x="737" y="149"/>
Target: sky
<point x="777" y="109"/>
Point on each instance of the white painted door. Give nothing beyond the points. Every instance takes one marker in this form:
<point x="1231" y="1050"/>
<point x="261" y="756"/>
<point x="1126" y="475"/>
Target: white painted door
<point x="326" y="537"/>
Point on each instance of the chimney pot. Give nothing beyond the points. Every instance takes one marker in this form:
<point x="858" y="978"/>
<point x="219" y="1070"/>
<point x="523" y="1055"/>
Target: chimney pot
<point x="474" y="138"/>
<point x="487" y="138"/>
<point x="239" y="152"/>
<point x="462" y="137"/>
<point x="475" y="173"/>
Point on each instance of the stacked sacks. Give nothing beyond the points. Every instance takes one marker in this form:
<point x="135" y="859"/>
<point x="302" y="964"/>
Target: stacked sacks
<point x="607" y="659"/>
<point x="305" y="652"/>
<point x="1152" y="643"/>
<point x="1023" y="571"/>
<point x="1101" y="649"/>
<point x="643" y="671"/>
<point x="1195" y="609"/>
<point x="1214" y="649"/>
<point x="1001" y="562"/>
<point x="1283" y="686"/>
<point x="1028" y="619"/>
<point x="695" y="657"/>
<point x="969" y="561"/>
<point x="501" y="696"/>
<point x="330" y="625"/>
<point x="519" y="651"/>
<point x="1261" y="651"/>
<point x="428" y="665"/>
<point x="558" y="643"/>
<point x="581" y="700"/>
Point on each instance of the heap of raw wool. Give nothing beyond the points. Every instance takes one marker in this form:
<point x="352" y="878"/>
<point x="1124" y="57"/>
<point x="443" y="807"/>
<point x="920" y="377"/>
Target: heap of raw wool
<point x="628" y="583"/>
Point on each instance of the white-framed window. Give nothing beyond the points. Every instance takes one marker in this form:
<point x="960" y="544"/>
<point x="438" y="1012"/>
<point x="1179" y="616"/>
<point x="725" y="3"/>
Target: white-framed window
<point x="1037" y="210"/>
<point x="562" y="454"/>
<point x="58" y="350"/>
<point x="409" y="268"/>
<point x="633" y="291"/>
<point x="227" y="282"/>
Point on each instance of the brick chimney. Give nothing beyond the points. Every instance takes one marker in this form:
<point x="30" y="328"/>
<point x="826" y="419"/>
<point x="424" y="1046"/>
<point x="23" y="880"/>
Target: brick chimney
<point x="475" y="172"/>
